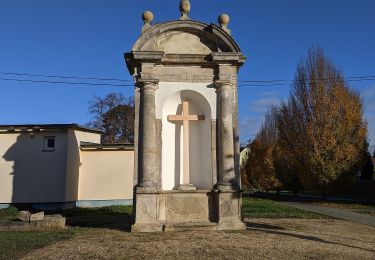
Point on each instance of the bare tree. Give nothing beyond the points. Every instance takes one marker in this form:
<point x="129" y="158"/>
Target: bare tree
<point x="114" y="114"/>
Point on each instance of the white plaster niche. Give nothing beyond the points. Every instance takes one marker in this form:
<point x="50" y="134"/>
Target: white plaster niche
<point x="199" y="141"/>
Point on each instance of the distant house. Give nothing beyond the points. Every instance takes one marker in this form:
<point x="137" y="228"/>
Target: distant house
<point x="63" y="165"/>
<point x="244" y="156"/>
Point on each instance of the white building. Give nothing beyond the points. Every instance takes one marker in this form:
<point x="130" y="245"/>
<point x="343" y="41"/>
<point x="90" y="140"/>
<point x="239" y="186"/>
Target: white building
<point x="59" y="166"/>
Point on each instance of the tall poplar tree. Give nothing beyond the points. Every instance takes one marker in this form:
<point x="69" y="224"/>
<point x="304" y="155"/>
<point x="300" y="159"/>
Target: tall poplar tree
<point x="322" y="125"/>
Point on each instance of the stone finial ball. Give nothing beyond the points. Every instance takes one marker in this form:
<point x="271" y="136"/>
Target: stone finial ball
<point x="185" y="6"/>
<point x="148" y="16"/>
<point x="223" y="19"/>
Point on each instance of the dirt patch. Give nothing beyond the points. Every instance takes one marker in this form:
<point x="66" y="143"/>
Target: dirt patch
<point x="265" y="238"/>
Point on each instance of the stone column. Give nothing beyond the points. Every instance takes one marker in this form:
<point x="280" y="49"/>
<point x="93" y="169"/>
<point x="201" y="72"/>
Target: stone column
<point x="227" y="177"/>
<point x="147" y="138"/>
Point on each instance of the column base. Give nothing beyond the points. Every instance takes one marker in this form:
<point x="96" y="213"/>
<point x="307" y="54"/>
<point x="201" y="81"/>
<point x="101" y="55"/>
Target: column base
<point x="147" y="228"/>
<point x="185" y="187"/>
<point x="146" y="189"/>
<point x="238" y="225"/>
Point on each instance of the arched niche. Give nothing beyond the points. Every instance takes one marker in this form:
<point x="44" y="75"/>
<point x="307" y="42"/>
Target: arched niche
<point x="199" y="142"/>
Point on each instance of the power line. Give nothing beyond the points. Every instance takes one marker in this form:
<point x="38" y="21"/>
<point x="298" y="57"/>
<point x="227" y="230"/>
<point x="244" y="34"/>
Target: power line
<point x="241" y="83"/>
<point x="124" y="80"/>
<point x="132" y="85"/>
<point x="292" y="82"/>
<point x="62" y="77"/>
<point x="67" y="82"/>
<point x="324" y="79"/>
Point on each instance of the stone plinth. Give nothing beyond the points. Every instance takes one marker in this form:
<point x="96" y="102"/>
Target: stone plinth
<point x="188" y="210"/>
<point x="229" y="210"/>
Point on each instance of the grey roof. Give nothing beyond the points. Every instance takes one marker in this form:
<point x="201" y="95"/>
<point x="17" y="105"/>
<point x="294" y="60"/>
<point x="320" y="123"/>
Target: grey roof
<point x="37" y="127"/>
<point x="105" y="147"/>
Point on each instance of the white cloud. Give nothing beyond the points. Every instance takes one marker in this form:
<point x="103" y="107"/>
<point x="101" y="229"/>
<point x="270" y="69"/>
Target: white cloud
<point x="371" y="128"/>
<point x="368" y="95"/>
<point x="265" y="100"/>
<point x="249" y="127"/>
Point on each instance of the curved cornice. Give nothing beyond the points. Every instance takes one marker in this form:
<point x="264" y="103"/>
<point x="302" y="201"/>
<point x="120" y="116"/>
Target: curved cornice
<point x="212" y="32"/>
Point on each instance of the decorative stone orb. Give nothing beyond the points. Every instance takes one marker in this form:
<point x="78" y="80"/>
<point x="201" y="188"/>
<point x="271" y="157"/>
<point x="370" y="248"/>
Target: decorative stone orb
<point x="224" y="20"/>
<point x="148" y="16"/>
<point x="185" y="6"/>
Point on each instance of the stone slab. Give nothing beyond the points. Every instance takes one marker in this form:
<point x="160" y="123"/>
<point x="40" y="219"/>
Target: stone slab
<point x="52" y="222"/>
<point x="187" y="206"/>
<point x="37" y="216"/>
<point x="24" y="216"/>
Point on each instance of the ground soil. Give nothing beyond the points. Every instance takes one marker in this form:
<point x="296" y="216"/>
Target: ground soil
<point x="265" y="238"/>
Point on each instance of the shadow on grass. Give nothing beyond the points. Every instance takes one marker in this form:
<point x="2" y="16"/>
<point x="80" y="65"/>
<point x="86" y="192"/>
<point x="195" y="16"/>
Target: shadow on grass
<point x="263" y="226"/>
<point x="13" y="245"/>
<point x="113" y="217"/>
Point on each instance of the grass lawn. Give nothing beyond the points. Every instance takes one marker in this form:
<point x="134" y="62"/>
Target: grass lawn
<point x="263" y="208"/>
<point x="79" y="220"/>
<point x="86" y="221"/>
<point x="15" y="244"/>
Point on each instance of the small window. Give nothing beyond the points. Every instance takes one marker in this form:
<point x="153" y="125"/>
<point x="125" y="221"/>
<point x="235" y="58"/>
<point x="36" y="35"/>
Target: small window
<point x="49" y="143"/>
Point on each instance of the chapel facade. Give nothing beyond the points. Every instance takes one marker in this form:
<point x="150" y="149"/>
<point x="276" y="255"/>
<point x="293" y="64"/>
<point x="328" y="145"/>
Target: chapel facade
<point x="187" y="173"/>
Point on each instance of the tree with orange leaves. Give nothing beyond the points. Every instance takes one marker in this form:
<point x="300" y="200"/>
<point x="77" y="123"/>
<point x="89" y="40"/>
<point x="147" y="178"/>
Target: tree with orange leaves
<point x="260" y="170"/>
<point x="321" y="126"/>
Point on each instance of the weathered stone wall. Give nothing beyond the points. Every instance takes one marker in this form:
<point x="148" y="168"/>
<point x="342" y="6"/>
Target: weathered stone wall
<point x="168" y="60"/>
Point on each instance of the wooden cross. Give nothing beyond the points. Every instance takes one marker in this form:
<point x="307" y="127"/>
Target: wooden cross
<point x="185" y="117"/>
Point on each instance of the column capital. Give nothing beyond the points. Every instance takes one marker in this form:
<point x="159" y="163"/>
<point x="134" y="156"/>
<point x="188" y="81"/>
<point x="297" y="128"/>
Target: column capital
<point x="148" y="84"/>
<point x="223" y="85"/>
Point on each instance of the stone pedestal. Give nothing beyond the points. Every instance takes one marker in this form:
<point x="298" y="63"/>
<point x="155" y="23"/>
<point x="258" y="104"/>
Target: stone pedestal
<point x="229" y="211"/>
<point x="175" y="210"/>
<point x="188" y="210"/>
<point x="147" y="213"/>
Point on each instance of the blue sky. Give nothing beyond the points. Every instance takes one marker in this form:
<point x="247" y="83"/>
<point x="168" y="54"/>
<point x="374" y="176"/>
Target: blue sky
<point x="87" y="38"/>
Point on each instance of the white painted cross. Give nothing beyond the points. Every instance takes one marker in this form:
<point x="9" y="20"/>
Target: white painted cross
<point x="185" y="117"/>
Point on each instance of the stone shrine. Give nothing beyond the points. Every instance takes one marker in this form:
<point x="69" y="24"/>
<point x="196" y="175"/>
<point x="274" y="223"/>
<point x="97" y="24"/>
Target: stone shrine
<point x="186" y="127"/>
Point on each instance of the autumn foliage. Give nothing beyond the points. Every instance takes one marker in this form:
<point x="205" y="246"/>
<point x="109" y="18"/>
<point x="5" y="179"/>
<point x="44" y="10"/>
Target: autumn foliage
<point x="317" y="139"/>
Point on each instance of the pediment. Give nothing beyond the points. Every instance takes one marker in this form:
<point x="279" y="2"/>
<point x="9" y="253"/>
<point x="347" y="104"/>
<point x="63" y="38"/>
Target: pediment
<point x="186" y="37"/>
<point x="180" y="42"/>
